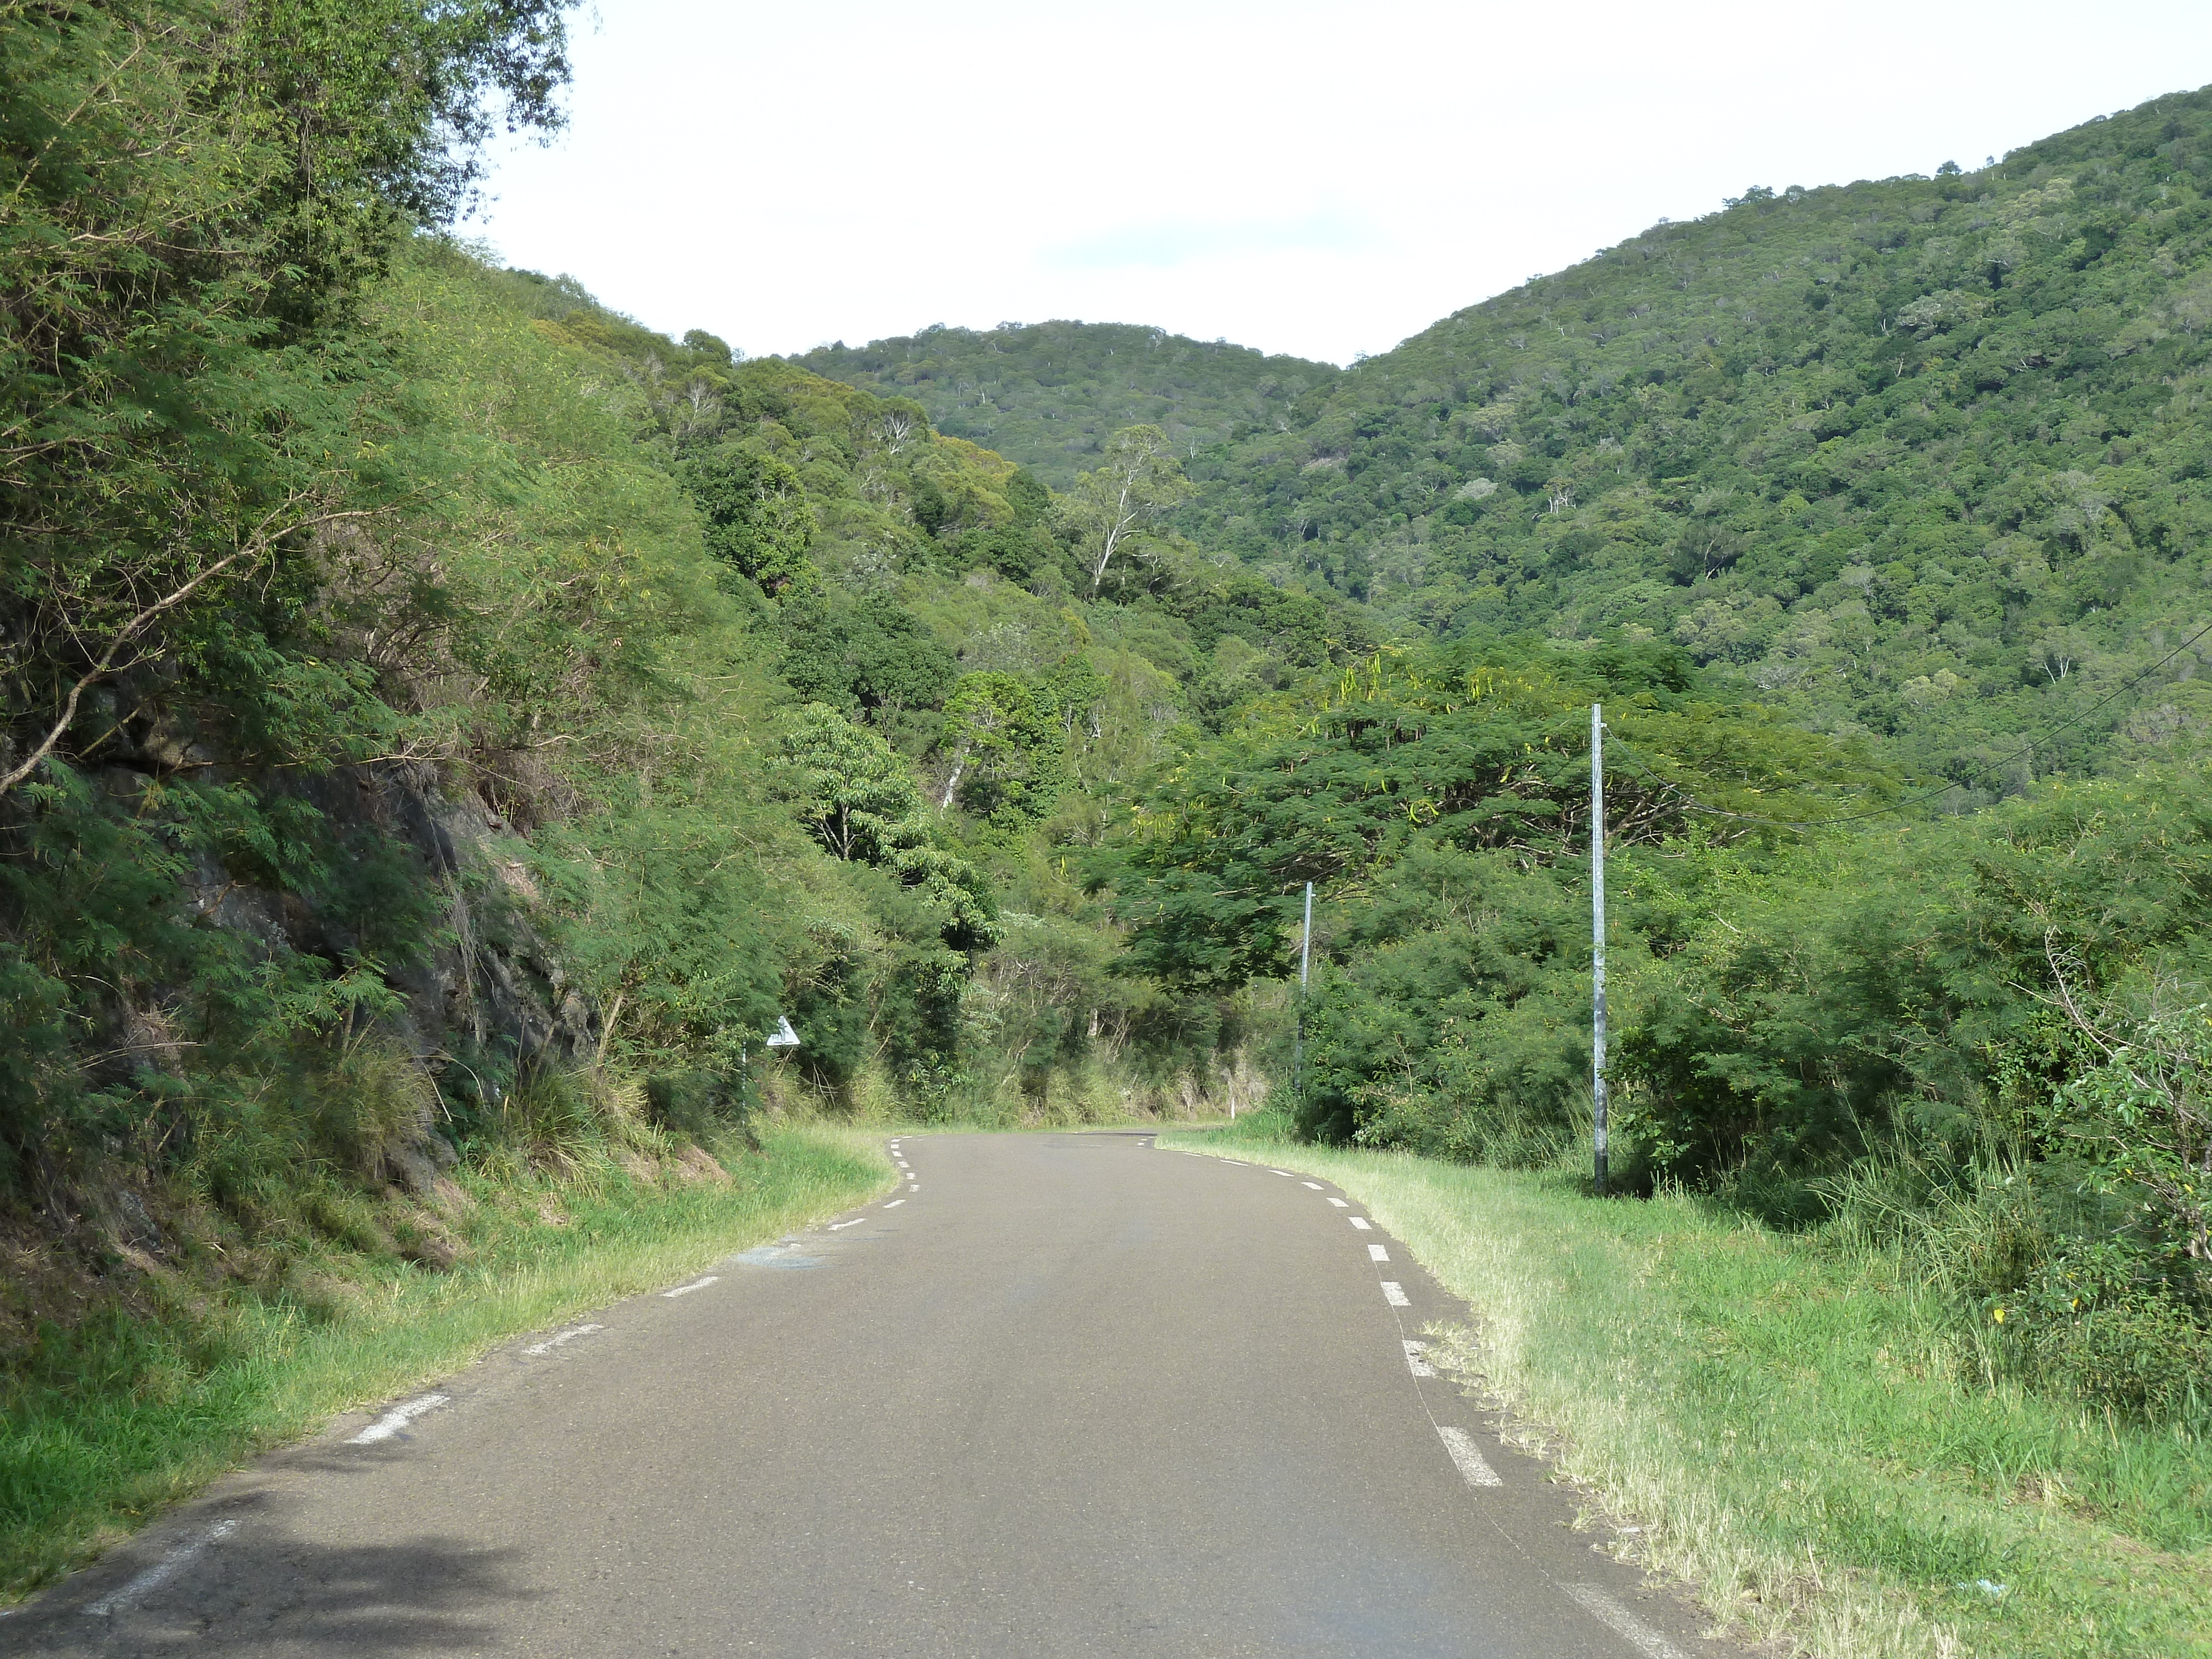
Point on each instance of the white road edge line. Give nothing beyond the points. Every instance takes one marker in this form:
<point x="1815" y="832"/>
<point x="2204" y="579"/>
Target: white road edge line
<point x="160" y="1572"/>
<point x="1339" y="1203"/>
<point x="560" y="1337"/>
<point x="1279" y="1172"/>
<point x="894" y="1204"/>
<point x="396" y="1420"/>
<point x="1359" y="1221"/>
<point x="1394" y="1294"/>
<point x="1607" y="1610"/>
<point x="1472" y="1469"/>
<point x="1376" y="1252"/>
<point x="1315" y="1185"/>
<point x="695" y="1285"/>
<point x="1417" y="1358"/>
<point x="854" y="1222"/>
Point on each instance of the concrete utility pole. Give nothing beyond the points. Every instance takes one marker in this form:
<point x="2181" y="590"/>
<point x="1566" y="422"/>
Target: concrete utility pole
<point x="1597" y="937"/>
<point x="1299" y="1040"/>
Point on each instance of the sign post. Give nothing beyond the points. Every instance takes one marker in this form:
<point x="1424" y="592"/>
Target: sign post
<point x="1299" y="1040"/>
<point x="1597" y="940"/>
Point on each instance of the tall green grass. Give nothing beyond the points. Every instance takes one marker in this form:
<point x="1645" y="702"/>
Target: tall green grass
<point x="1796" y="1424"/>
<point x="122" y="1414"/>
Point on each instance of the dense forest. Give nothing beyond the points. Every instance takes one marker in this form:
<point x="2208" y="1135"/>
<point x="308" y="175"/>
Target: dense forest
<point x="1921" y="458"/>
<point x="447" y="720"/>
<point x="1049" y="395"/>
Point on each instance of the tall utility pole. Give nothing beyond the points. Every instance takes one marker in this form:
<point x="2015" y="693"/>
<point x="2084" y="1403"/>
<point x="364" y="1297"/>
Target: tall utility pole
<point x="1597" y="936"/>
<point x="1299" y="1040"/>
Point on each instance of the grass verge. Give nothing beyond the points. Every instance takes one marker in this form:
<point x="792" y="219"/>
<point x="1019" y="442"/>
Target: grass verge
<point x="1797" y="1428"/>
<point x="122" y="1414"/>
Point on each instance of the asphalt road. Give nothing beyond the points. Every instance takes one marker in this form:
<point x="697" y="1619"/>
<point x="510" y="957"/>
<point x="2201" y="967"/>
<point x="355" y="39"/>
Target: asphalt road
<point x="1061" y="1395"/>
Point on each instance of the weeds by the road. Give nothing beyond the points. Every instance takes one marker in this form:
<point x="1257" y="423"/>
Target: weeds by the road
<point x="132" y="1407"/>
<point x="1794" y="1424"/>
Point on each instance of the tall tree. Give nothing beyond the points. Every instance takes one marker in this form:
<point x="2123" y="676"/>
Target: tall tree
<point x="1137" y="479"/>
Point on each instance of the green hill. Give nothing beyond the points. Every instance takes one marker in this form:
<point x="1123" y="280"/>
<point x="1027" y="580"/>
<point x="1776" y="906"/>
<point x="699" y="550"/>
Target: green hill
<point x="1923" y="457"/>
<point x="1048" y="395"/>
<point x="1828" y="489"/>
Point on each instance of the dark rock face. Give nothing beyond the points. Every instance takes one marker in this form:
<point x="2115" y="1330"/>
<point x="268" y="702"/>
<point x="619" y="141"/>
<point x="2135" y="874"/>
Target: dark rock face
<point x="490" y="980"/>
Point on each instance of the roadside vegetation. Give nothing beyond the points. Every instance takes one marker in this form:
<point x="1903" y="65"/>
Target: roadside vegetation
<point x="446" y="728"/>
<point x="1794" y="1421"/>
<point x="142" y="1399"/>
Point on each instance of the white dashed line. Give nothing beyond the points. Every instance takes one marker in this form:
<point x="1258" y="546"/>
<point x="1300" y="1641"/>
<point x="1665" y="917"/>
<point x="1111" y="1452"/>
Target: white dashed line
<point x="396" y="1420"/>
<point x="1280" y="1172"/>
<point x="1315" y="1185"/>
<point x="1359" y="1221"/>
<point x="1417" y="1358"/>
<point x="1339" y="1203"/>
<point x="1607" y="1610"/>
<point x="560" y="1337"/>
<point x="854" y="1222"/>
<point x="1376" y="1252"/>
<point x="1471" y="1466"/>
<point x="894" y="1204"/>
<point x="695" y="1285"/>
<point x="160" y="1572"/>
<point x="1394" y="1294"/>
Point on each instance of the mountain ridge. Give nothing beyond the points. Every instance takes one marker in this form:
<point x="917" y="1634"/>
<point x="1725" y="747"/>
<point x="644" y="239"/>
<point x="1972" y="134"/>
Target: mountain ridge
<point x="1046" y="395"/>
<point x="1914" y="457"/>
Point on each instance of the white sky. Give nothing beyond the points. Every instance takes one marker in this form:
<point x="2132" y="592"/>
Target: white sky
<point x="1316" y="180"/>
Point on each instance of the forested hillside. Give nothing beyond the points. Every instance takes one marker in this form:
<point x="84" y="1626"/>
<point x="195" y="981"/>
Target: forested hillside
<point x="1922" y="458"/>
<point x="1049" y="395"/>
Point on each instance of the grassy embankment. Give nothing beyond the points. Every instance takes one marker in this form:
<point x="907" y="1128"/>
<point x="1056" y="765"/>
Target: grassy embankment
<point x="140" y="1406"/>
<point x="1797" y="1428"/>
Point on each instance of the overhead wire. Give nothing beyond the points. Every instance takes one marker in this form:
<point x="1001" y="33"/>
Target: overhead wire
<point x="1899" y="806"/>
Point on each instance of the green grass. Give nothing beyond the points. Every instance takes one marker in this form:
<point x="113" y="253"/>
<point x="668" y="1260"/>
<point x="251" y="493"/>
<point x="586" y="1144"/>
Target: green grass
<point x="123" y="1415"/>
<point x="1802" y="1432"/>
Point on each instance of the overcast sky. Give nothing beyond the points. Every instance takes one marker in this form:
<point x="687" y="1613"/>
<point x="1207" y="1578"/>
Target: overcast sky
<point x="1323" y="180"/>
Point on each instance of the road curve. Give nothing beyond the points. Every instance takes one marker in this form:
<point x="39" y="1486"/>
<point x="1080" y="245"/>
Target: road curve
<point x="1059" y="1394"/>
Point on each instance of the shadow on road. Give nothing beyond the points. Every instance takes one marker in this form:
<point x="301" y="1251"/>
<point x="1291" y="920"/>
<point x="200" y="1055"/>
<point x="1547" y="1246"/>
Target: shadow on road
<point x="278" y="1596"/>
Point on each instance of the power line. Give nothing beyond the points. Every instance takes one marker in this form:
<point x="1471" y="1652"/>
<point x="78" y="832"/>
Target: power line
<point x="2125" y="686"/>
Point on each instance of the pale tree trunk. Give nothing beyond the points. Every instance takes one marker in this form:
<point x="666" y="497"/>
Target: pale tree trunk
<point x="1124" y="516"/>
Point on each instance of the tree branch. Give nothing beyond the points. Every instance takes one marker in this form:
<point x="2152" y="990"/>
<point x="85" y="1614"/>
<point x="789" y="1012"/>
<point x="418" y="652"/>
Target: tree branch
<point x="138" y="624"/>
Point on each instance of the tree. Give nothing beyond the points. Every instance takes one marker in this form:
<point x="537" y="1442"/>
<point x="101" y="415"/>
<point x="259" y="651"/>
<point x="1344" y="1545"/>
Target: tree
<point x="870" y="653"/>
<point x="198" y="196"/>
<point x="1139" y="479"/>
<point x="863" y="805"/>
<point x="1006" y="743"/>
<point x="758" y="521"/>
<point x="857" y="789"/>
